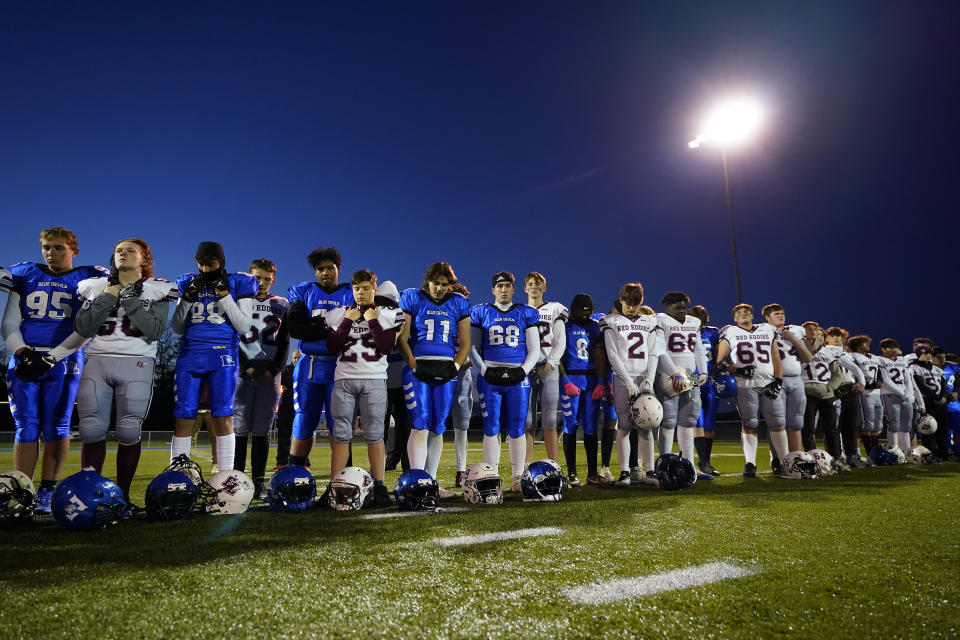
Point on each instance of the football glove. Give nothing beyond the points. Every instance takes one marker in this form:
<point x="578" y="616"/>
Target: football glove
<point x="646" y="386"/>
<point x="435" y="371"/>
<point x="746" y="371"/>
<point x="571" y="390"/>
<point x="772" y="390"/>
<point x="192" y="291"/>
<point x="701" y="379"/>
<point x="218" y="281"/>
<point x="34" y="364"/>
<point x="722" y="367"/>
<point x="632" y="388"/>
<point x="598" y="392"/>
<point x="131" y="291"/>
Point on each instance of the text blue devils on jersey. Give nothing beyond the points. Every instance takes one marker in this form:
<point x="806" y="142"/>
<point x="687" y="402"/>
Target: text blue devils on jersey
<point x="319" y="302"/>
<point x="48" y="302"/>
<point x="207" y="325"/>
<point x="434" y="331"/>
<point x="504" y="332"/>
<point x="581" y="340"/>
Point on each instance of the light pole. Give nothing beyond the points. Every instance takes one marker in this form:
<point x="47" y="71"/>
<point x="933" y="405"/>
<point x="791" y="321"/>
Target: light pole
<point x="730" y="124"/>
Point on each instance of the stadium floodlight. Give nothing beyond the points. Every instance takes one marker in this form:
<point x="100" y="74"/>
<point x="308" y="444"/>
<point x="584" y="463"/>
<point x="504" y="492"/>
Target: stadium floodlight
<point x="732" y="123"/>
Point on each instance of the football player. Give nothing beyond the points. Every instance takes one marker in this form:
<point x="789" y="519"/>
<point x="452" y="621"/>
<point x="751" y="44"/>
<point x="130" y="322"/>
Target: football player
<point x="585" y="363"/>
<point x="313" y="373"/>
<point x="608" y="431"/>
<point x="124" y="315"/>
<point x="361" y="336"/>
<point x="440" y="322"/>
<point x="951" y="373"/>
<point x="684" y="350"/>
<point x="633" y="343"/>
<point x="545" y="378"/>
<point x="871" y="406"/>
<point x="793" y="354"/>
<point x="504" y="346"/>
<point x="463" y="405"/>
<point x="263" y="352"/>
<point x="44" y="370"/>
<point x="929" y="380"/>
<point x="898" y="394"/>
<point x="703" y="432"/>
<point x="215" y="309"/>
<point x="750" y="353"/>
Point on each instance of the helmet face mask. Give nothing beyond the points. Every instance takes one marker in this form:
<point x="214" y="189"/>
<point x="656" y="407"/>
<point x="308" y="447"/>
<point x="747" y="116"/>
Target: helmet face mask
<point x="292" y="489"/>
<point x="800" y="465"/>
<point x="666" y="382"/>
<point x="675" y="473"/>
<point x="482" y="485"/>
<point x="543" y="481"/>
<point x="350" y="489"/>
<point x="170" y="496"/>
<point x="227" y="492"/>
<point x="188" y="466"/>
<point x="17" y="496"/>
<point x="416" y="490"/>
<point x="86" y="501"/>
<point x="646" y="412"/>
<point x="824" y="460"/>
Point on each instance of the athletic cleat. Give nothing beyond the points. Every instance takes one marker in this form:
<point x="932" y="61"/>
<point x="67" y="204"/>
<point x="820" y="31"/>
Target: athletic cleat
<point x="573" y="481"/>
<point x="701" y="477"/>
<point x="381" y="497"/>
<point x="636" y="475"/>
<point x="623" y="480"/>
<point x="259" y="489"/>
<point x="515" y="486"/>
<point x="596" y="480"/>
<point x="461" y="476"/>
<point x="749" y="470"/>
<point x="44" y="496"/>
<point x="443" y="493"/>
<point x="706" y="467"/>
<point x="856" y="462"/>
<point x="606" y="475"/>
<point x="775" y="465"/>
<point x="651" y="479"/>
<point x="840" y="466"/>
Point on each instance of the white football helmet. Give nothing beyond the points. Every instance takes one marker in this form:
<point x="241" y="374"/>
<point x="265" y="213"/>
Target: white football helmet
<point x="920" y="455"/>
<point x="646" y="412"/>
<point x="926" y="424"/>
<point x="901" y="456"/>
<point x="483" y="485"/>
<point x="666" y="382"/>
<point x="226" y="492"/>
<point x="800" y="465"/>
<point x="824" y="461"/>
<point x="350" y="489"/>
<point x="17" y="495"/>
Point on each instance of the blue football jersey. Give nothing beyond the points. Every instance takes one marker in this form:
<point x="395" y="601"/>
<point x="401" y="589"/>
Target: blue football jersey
<point x="319" y="302"/>
<point x="207" y="325"/>
<point x="434" y="330"/>
<point x="578" y="357"/>
<point x="709" y="336"/>
<point x="504" y="332"/>
<point x="48" y="302"/>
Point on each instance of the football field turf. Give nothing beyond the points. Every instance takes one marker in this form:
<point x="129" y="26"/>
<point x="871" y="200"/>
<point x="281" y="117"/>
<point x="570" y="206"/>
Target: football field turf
<point x="873" y="554"/>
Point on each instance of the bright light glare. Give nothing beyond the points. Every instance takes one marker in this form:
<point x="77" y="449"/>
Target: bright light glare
<point x="732" y="123"/>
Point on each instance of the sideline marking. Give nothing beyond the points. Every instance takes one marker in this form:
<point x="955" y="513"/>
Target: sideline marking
<point x="404" y="514"/>
<point x="621" y="589"/>
<point x="496" y="537"/>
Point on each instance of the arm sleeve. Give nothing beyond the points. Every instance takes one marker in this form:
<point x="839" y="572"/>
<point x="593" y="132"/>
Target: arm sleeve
<point x="915" y="389"/>
<point x="70" y="345"/>
<point x="338" y="337"/>
<point x="667" y="364"/>
<point x="283" y="345"/>
<point x="533" y="349"/>
<point x="10" y="328"/>
<point x="384" y="339"/>
<point x="656" y="352"/>
<point x="559" y="344"/>
<point x="89" y="318"/>
<point x="616" y="363"/>
<point x="179" y="321"/>
<point x="238" y="313"/>
<point x="848" y="363"/>
<point x="151" y="322"/>
<point x="302" y="326"/>
<point x="476" y="339"/>
<point x="700" y="356"/>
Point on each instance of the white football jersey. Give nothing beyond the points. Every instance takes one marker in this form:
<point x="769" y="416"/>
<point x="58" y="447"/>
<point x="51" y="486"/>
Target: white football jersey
<point x="359" y="358"/>
<point x="869" y="364"/>
<point x="636" y="341"/>
<point x="751" y="347"/>
<point x="896" y="379"/>
<point x="788" y="353"/>
<point x="118" y="336"/>
<point x="550" y="312"/>
<point x="6" y="279"/>
<point x="260" y="343"/>
<point x="818" y="369"/>
<point x="681" y="341"/>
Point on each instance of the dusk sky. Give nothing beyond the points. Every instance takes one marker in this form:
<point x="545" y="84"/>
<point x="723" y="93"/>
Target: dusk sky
<point x="548" y="136"/>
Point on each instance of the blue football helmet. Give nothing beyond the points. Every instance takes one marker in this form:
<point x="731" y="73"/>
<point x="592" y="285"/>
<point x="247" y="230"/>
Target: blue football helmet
<point x="675" y="473"/>
<point x="543" y="481"/>
<point x="86" y="501"/>
<point x="291" y="490"/>
<point x="416" y="490"/>
<point x="725" y="385"/>
<point x="170" y="496"/>
<point x="883" y="457"/>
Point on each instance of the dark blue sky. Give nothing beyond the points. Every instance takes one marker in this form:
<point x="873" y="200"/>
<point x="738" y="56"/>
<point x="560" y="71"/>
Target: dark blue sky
<point x="502" y="135"/>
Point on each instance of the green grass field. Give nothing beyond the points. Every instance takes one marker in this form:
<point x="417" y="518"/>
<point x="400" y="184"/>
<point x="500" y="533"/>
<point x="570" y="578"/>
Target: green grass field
<point x="868" y="555"/>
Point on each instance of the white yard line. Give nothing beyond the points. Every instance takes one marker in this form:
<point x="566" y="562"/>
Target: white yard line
<point x="498" y="536"/>
<point x="623" y="588"/>
<point x="403" y="514"/>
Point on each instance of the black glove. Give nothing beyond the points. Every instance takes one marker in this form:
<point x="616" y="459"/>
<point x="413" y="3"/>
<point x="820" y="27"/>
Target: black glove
<point x="772" y="390"/>
<point x="721" y="368"/>
<point x="273" y="368"/>
<point x="131" y="291"/>
<point x="435" y="371"/>
<point x="218" y="281"/>
<point x="34" y="364"/>
<point x="194" y="289"/>
<point x="747" y="371"/>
